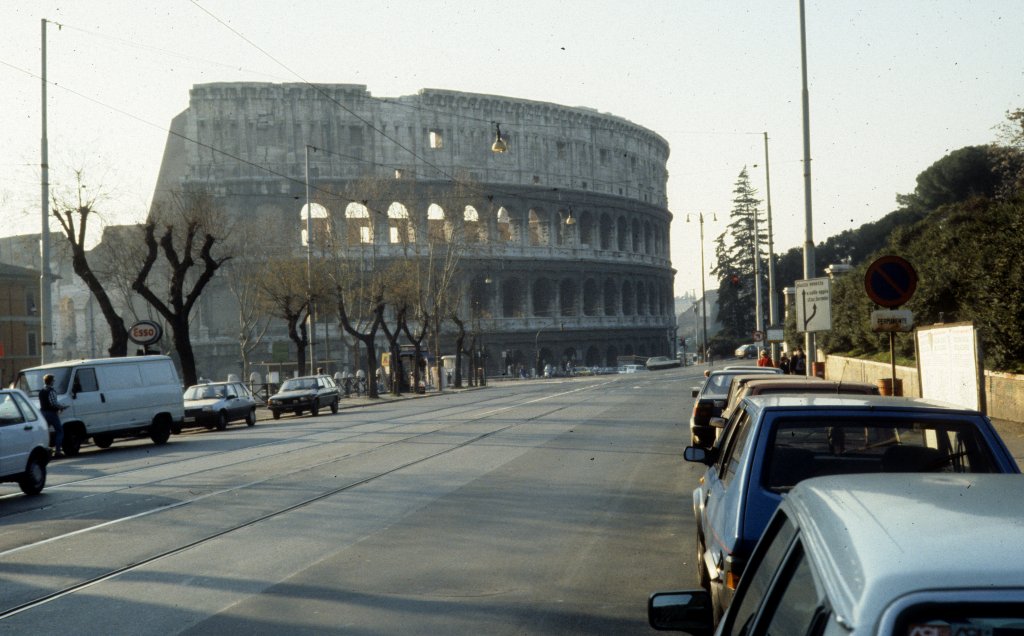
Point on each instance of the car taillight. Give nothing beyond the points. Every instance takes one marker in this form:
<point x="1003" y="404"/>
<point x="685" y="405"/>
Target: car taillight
<point x="701" y="410"/>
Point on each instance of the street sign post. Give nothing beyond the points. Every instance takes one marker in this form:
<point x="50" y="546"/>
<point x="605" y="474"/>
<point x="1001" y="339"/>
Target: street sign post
<point x="813" y="305"/>
<point x="890" y="281"/>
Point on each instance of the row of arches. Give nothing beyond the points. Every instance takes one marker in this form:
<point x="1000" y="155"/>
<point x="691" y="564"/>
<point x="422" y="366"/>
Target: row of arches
<point x="515" y="296"/>
<point x="510" y="361"/>
<point x="610" y="230"/>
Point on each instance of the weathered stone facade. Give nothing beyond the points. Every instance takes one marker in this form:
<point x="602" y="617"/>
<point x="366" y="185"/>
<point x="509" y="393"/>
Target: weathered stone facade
<point x="588" y="291"/>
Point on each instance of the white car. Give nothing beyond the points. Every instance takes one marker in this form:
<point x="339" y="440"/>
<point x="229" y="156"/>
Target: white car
<point x="878" y="555"/>
<point x="24" y="442"/>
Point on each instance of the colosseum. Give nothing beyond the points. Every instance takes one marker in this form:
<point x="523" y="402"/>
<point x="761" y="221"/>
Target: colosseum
<point x="569" y="261"/>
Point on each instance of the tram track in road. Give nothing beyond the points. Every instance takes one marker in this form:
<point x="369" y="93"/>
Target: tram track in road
<point x="78" y="586"/>
<point x="446" y="413"/>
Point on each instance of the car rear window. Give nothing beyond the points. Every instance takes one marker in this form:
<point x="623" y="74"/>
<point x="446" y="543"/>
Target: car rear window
<point x="804" y="447"/>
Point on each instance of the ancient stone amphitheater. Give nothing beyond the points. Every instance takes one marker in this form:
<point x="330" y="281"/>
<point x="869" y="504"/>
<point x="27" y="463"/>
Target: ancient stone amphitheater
<point x="567" y="232"/>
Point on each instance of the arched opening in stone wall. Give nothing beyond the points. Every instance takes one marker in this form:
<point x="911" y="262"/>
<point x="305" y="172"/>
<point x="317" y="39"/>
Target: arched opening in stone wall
<point x="628" y="349"/>
<point x="481" y="298"/>
<point x="591" y="297"/>
<point x="621" y="234"/>
<point x="471" y="227"/>
<point x="628" y="306"/>
<point x="585" y="223"/>
<point x="592" y="357"/>
<point x="611" y="358"/>
<point x="611" y="298"/>
<point x="504" y="223"/>
<point x="438" y="228"/>
<point x="641" y="349"/>
<point x="319" y="223"/>
<point x="635" y="236"/>
<point x="568" y="296"/>
<point x="648" y="238"/>
<point x="544" y="357"/>
<point x="543" y="298"/>
<point x="512" y="305"/>
<point x="539" y="222"/>
<point x="358" y="228"/>
<point x="641" y="299"/>
<point x="568" y="355"/>
<point x="606" y="232"/>
<point x="400" y="230"/>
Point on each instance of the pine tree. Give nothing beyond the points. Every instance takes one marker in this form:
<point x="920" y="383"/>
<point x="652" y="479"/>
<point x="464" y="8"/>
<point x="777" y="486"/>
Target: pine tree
<point x="735" y="258"/>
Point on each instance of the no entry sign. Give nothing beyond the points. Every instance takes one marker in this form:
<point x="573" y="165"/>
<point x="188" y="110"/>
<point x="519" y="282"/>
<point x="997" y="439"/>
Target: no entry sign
<point x="890" y="281"/>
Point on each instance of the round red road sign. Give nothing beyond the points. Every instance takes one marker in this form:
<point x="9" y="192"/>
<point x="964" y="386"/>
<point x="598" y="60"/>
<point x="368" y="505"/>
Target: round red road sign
<point x="890" y="281"/>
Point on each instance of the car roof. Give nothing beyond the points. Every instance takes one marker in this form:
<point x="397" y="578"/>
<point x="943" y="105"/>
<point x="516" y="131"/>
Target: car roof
<point x="846" y="400"/>
<point x="95" y="361"/>
<point x="799" y="382"/>
<point x="878" y="537"/>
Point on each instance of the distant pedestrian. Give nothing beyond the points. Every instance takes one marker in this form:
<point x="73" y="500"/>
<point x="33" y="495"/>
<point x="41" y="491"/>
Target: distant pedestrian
<point x="763" y="360"/>
<point x="784" y="363"/>
<point x="51" y="409"/>
<point x="799" y="364"/>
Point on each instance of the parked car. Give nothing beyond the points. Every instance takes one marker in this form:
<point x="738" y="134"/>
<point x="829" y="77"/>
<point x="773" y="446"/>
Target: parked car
<point x="876" y="554"/>
<point x="215" y="404"/>
<point x="775" y="442"/>
<point x="107" y="398"/>
<point x="24" y="442"/>
<point x="746" y="351"/>
<point x="711" y="398"/>
<point x="307" y="393"/>
<point x="742" y="386"/>
<point x="657" y="363"/>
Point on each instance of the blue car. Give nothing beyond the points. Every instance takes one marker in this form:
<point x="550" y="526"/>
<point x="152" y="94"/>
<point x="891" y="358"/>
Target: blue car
<point x="774" y="442"/>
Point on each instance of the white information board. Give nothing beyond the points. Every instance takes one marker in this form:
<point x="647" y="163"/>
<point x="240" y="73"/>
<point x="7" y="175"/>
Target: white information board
<point x="813" y="305"/>
<point x="948" y="364"/>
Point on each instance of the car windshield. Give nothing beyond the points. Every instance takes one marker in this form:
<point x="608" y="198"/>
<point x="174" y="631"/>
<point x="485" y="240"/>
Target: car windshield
<point x="807" y="447"/>
<point x="205" y="392"/>
<point x="299" y="384"/>
<point x="31" y="380"/>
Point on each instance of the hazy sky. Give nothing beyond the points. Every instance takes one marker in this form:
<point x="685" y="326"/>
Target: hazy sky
<point x="894" y="86"/>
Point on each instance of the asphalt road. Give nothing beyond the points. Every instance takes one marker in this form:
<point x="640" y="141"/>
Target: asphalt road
<point x="546" y="507"/>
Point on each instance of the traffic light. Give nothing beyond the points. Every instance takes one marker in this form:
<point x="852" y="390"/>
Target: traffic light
<point x="734" y="279"/>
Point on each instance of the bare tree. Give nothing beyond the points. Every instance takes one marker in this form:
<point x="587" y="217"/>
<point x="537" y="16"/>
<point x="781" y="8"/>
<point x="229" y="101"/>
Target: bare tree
<point x="74" y="221"/>
<point x="187" y="236"/>
<point x="288" y="290"/>
<point x="244" y="281"/>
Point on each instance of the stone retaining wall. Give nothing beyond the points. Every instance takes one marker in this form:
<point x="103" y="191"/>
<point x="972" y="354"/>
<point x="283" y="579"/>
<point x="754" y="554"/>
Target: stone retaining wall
<point x="1004" y="392"/>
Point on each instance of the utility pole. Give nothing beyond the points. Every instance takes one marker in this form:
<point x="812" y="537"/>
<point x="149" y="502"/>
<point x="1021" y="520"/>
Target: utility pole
<point x="810" y="345"/>
<point x="309" y="273"/>
<point x="45" y="302"/>
<point x="773" y="299"/>
<point x="703" y="293"/>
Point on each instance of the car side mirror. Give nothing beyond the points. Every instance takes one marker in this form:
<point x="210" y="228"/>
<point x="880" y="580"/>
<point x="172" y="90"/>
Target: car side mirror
<point x="717" y="422"/>
<point x="687" y="611"/>
<point x="230" y="396"/>
<point x="694" y="392"/>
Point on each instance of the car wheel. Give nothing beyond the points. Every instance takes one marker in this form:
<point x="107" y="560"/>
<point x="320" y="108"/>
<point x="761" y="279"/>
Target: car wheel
<point x="334" y="406"/>
<point x="103" y="440"/>
<point x="34" y="479"/>
<point x="275" y="414"/>
<point x="222" y="421"/>
<point x="72" y="442"/>
<point x="298" y="412"/>
<point x="176" y="429"/>
<point x="250" y="419"/>
<point x="315" y="409"/>
<point x="160" y="432"/>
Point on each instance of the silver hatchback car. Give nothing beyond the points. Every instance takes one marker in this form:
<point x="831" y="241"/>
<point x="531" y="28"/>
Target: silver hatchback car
<point x="893" y="555"/>
<point x="24" y="442"/>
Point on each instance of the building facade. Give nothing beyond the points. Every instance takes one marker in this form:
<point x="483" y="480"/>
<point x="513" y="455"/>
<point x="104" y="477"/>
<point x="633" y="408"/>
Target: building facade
<point x="566" y="234"/>
<point x="19" y="321"/>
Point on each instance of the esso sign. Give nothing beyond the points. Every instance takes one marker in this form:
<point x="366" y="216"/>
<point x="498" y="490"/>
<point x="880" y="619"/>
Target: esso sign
<point x="145" y="332"/>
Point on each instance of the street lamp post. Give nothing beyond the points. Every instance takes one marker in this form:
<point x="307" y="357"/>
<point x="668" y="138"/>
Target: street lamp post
<point x="703" y="293"/>
<point x="309" y="271"/>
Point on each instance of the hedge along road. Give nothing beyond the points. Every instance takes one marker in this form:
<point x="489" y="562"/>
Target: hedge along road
<point x="532" y="507"/>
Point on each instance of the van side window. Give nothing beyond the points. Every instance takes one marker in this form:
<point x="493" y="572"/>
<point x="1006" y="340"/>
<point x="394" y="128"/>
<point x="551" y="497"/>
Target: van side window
<point x="85" y="381"/>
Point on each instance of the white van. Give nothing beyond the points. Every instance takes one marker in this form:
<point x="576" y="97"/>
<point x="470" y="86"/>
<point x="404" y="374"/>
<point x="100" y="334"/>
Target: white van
<point x="112" y="397"/>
